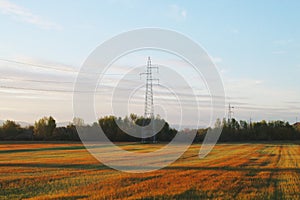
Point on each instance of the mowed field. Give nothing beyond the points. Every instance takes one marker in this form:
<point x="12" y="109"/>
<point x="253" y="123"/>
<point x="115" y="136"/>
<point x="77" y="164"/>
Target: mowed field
<point x="230" y="171"/>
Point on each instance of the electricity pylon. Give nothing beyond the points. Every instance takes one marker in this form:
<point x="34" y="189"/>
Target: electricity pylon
<point x="149" y="106"/>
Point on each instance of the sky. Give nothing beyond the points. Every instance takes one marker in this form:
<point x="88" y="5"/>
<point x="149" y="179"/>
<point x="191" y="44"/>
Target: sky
<point x="254" y="44"/>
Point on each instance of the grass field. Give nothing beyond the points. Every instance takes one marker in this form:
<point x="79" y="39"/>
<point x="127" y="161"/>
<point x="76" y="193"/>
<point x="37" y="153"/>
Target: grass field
<point x="230" y="171"/>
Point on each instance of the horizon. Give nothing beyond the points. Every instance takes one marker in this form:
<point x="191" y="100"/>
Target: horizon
<point x="178" y="127"/>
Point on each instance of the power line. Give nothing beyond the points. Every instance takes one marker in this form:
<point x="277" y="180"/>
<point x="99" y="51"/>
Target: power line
<point x="56" y="90"/>
<point x="56" y="68"/>
<point x="48" y="67"/>
<point x="34" y="80"/>
<point x="43" y="90"/>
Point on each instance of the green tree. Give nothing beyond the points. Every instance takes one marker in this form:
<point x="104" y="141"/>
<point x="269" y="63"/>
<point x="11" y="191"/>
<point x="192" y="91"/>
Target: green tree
<point x="8" y="124"/>
<point x="43" y="129"/>
<point x="10" y="129"/>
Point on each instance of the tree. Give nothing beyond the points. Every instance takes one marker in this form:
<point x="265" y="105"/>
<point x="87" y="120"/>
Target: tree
<point x="43" y="129"/>
<point x="10" y="129"/>
<point x="218" y="123"/>
<point x="133" y="117"/>
<point x="78" y="121"/>
<point x="10" y="125"/>
<point x="109" y="126"/>
<point x="243" y="124"/>
<point x="297" y="126"/>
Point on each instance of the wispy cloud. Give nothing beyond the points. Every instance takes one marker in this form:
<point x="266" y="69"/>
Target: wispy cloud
<point x="217" y="60"/>
<point x="22" y="14"/>
<point x="260" y="100"/>
<point x="278" y="52"/>
<point x="283" y="42"/>
<point x="176" y="12"/>
<point x="48" y="88"/>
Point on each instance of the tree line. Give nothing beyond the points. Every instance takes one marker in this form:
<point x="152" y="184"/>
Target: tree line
<point x="235" y="131"/>
<point x="45" y="129"/>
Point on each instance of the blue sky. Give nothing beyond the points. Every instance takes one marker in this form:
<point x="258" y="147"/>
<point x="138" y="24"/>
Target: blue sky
<point x="255" y="45"/>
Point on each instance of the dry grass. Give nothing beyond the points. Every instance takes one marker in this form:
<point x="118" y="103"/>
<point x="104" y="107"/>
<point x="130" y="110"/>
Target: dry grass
<point x="231" y="171"/>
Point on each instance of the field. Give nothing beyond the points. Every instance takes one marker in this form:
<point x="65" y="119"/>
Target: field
<point x="230" y="171"/>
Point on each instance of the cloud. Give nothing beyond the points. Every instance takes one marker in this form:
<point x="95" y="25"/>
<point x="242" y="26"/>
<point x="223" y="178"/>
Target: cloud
<point x="281" y="45"/>
<point x="51" y="83"/>
<point x="176" y="12"/>
<point x="22" y="14"/>
<point x="217" y="60"/>
<point x="259" y="100"/>
<point x="282" y="42"/>
<point x="278" y="52"/>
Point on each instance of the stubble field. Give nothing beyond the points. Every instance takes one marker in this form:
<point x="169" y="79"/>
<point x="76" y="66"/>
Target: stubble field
<point x="230" y="171"/>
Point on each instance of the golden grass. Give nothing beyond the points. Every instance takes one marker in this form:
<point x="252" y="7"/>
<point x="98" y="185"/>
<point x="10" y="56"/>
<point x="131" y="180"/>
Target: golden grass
<point x="230" y="171"/>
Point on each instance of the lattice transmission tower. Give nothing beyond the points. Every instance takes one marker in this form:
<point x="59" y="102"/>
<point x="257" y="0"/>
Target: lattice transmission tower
<point x="149" y="106"/>
<point x="230" y="112"/>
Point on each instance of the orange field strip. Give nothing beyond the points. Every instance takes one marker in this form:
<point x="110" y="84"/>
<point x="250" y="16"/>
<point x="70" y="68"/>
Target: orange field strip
<point x="230" y="171"/>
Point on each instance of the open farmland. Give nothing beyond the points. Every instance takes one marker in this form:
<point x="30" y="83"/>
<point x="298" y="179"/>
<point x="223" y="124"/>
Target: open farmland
<point x="230" y="171"/>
